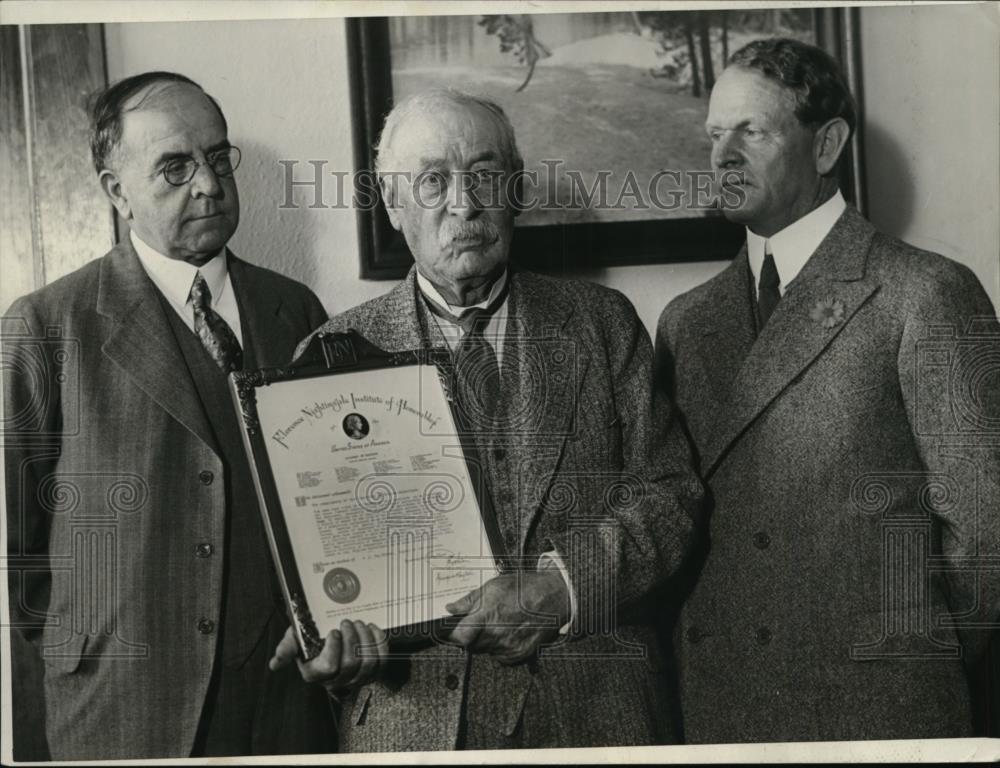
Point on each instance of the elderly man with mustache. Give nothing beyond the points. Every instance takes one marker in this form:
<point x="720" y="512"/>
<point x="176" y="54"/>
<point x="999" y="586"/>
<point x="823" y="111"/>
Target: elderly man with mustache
<point x="589" y="476"/>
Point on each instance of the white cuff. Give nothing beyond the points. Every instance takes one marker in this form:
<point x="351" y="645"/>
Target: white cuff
<point x="547" y="560"/>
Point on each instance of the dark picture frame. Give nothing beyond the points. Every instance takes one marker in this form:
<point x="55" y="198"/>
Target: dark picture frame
<point x="558" y="247"/>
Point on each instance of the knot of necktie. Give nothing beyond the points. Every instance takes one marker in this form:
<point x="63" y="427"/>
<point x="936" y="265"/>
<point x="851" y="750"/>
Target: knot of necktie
<point x="201" y="294"/>
<point x="474" y="321"/>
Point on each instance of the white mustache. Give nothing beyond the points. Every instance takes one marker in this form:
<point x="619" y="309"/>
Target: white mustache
<point x="482" y="231"/>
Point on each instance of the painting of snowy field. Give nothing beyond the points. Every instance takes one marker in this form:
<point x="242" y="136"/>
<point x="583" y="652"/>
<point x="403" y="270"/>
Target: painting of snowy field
<point x="594" y="98"/>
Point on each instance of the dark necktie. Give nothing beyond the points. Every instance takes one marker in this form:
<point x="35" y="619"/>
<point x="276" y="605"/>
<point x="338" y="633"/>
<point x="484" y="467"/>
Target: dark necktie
<point x="477" y="372"/>
<point x="215" y="334"/>
<point x="769" y="294"/>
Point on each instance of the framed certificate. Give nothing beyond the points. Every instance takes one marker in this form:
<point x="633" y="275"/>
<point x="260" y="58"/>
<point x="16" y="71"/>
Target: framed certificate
<point x="373" y="502"/>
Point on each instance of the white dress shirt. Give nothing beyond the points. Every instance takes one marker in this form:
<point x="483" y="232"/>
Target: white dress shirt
<point x="174" y="278"/>
<point x="495" y="328"/>
<point x="494" y="335"/>
<point x="795" y="244"/>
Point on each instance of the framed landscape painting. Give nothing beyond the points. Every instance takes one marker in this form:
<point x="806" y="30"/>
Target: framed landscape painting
<point x="609" y="112"/>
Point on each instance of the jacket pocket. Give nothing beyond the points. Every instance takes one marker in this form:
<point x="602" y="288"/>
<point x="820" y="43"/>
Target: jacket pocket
<point x="359" y="710"/>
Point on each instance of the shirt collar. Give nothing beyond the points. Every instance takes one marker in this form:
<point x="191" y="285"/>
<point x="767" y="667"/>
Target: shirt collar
<point x="174" y="276"/>
<point x="432" y="293"/>
<point x="795" y="244"/>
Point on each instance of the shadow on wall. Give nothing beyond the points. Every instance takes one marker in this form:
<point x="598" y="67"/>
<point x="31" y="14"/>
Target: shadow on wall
<point x="286" y="240"/>
<point x="889" y="182"/>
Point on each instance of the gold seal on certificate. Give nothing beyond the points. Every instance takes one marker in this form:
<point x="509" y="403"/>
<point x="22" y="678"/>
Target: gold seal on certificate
<point x="341" y="585"/>
<point x="372" y="508"/>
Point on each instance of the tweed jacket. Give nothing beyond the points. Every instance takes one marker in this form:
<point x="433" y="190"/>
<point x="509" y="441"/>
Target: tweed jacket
<point x="112" y="486"/>
<point x="851" y="457"/>
<point x="598" y="471"/>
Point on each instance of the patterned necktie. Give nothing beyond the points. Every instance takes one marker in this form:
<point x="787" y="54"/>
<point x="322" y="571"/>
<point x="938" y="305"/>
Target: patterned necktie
<point x="769" y="294"/>
<point x="477" y="371"/>
<point x="215" y="334"/>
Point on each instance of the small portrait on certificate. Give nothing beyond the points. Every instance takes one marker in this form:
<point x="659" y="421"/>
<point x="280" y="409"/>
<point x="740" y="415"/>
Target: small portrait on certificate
<point x="356" y="426"/>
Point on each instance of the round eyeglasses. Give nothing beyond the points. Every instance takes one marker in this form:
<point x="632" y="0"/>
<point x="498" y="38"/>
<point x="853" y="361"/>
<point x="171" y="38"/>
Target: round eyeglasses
<point x="223" y="162"/>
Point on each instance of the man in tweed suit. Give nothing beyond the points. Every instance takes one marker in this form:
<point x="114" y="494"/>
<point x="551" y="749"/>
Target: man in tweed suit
<point x="139" y="568"/>
<point x="832" y="380"/>
<point x="589" y="477"/>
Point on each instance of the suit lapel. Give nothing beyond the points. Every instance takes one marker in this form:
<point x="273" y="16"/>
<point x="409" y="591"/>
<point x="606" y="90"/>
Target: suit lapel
<point x="267" y="331"/>
<point x="831" y="282"/>
<point x="397" y="323"/>
<point x="724" y="318"/>
<point x="540" y="377"/>
<point x="142" y="344"/>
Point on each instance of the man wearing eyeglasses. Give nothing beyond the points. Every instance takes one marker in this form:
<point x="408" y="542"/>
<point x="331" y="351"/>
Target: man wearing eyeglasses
<point x="139" y="566"/>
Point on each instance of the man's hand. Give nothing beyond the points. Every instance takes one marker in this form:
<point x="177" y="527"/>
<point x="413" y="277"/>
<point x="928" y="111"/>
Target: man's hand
<point x="351" y="656"/>
<point x="511" y="615"/>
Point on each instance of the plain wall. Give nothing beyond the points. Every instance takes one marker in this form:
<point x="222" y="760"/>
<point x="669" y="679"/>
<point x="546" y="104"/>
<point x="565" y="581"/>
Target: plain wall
<point x="931" y="94"/>
<point x="932" y="130"/>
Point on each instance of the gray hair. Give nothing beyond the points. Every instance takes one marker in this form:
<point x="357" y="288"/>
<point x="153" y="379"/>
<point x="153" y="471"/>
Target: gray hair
<point x="108" y="107"/>
<point x="428" y="102"/>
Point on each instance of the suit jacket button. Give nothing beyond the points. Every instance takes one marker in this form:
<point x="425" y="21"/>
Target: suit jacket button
<point x="763" y="635"/>
<point x="694" y="634"/>
<point x="206" y="477"/>
<point x="761" y="540"/>
<point x="451" y="682"/>
<point x="499" y="454"/>
<point x="203" y="549"/>
<point x="206" y="626"/>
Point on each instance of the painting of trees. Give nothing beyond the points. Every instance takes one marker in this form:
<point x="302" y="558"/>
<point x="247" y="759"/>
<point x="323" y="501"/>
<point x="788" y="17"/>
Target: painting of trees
<point x="694" y="44"/>
<point x="517" y="36"/>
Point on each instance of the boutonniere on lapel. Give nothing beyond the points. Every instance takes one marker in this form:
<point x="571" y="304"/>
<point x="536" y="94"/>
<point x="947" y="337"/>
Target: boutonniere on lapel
<point x="828" y="312"/>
